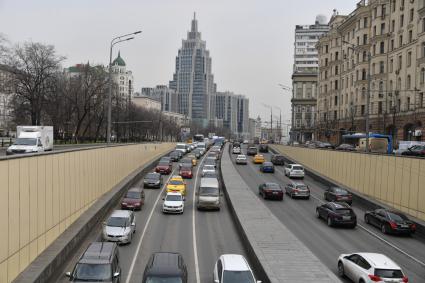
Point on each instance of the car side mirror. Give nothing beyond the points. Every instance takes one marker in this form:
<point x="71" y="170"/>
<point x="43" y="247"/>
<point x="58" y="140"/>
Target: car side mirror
<point x="116" y="274"/>
<point x="133" y="224"/>
<point x="68" y="274"/>
<point x="259" y="281"/>
<point x="184" y="199"/>
<point x="216" y="281"/>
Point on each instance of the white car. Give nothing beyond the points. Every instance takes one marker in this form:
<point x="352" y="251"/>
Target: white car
<point x="370" y="268"/>
<point x="241" y="159"/>
<point x="294" y="171"/>
<point x="208" y="169"/>
<point x="231" y="268"/>
<point x="173" y="203"/>
<point x="182" y="147"/>
<point x="236" y="150"/>
<point x="119" y="227"/>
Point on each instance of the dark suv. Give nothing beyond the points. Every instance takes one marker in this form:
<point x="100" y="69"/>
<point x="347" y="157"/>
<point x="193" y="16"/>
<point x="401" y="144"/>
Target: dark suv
<point x="263" y="148"/>
<point x="278" y="159"/>
<point x="165" y="267"/>
<point x="99" y="263"/>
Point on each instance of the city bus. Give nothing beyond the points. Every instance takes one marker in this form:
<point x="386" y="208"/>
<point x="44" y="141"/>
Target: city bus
<point x="198" y="138"/>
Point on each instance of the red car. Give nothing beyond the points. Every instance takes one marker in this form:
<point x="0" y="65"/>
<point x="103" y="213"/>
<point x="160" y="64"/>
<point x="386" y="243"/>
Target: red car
<point x="134" y="199"/>
<point x="186" y="172"/>
<point x="270" y="191"/>
<point x="164" y="168"/>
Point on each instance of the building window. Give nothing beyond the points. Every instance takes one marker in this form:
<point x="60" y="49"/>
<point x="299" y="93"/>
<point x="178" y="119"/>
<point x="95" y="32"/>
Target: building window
<point x="363" y="74"/>
<point x="383" y="28"/>
<point x="400" y="62"/>
<point x="391" y="66"/>
<point x="336" y="70"/>
<point x="364" y="56"/>
<point x="410" y="36"/>
<point x="409" y="58"/>
<point x="392" y="44"/>
<point x="383" y="10"/>
<point x="373" y="69"/>
<point x="411" y="15"/>
<point x="381" y="89"/>
<point x="382" y="47"/>
<point x="381" y="67"/>
<point x="380" y="107"/>
<point x="364" y="39"/>
<point x="336" y="56"/>
<point x="336" y="100"/>
<point x="400" y="41"/>
<point x="408" y="82"/>
<point x="423" y="49"/>
<point x="421" y="99"/>
<point x="392" y="25"/>
<point x="336" y="84"/>
<point x="408" y="103"/>
<point x="374" y="30"/>
<point x="422" y="78"/>
<point x="423" y="25"/>
<point x="401" y="20"/>
<point x="362" y="110"/>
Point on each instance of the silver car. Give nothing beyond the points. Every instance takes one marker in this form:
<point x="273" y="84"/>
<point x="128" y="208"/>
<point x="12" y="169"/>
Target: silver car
<point x="241" y="159"/>
<point x="297" y="190"/>
<point x="119" y="227"/>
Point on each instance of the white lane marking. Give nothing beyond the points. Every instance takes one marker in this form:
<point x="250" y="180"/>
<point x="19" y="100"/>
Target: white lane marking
<point x="195" y="247"/>
<point x="133" y="262"/>
<point x="369" y="231"/>
<point x="380" y="238"/>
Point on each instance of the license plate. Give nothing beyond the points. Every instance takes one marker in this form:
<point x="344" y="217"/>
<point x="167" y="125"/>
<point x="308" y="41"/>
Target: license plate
<point x="343" y="198"/>
<point x="275" y="193"/>
<point x="346" y="217"/>
<point x="404" y="226"/>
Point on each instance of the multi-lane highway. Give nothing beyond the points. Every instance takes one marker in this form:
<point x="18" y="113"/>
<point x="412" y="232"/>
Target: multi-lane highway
<point x="214" y="232"/>
<point x="328" y="243"/>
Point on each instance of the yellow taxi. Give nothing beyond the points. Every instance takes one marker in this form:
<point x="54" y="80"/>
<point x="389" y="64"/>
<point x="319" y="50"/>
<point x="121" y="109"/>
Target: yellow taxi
<point x="193" y="157"/>
<point x="258" y="159"/>
<point x="176" y="185"/>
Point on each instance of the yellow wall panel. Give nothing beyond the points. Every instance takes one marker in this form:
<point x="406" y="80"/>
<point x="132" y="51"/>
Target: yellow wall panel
<point x="43" y="195"/>
<point x="395" y="181"/>
<point x="4" y="210"/>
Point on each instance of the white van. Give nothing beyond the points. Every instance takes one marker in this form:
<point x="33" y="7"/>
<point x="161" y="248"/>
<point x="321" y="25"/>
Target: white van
<point x="32" y="139"/>
<point x="208" y="195"/>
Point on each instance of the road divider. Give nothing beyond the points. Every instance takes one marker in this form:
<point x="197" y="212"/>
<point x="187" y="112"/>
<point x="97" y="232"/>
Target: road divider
<point x="277" y="255"/>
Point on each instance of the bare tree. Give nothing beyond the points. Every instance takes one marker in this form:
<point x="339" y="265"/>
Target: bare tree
<point x="35" y="67"/>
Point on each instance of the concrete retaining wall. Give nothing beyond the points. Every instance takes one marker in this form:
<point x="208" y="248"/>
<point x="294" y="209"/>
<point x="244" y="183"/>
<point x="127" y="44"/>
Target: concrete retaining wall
<point x="280" y="256"/>
<point x="397" y="182"/>
<point x="42" y="195"/>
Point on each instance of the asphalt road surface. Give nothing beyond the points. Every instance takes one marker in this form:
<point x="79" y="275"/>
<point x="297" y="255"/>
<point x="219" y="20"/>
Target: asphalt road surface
<point x="328" y="243"/>
<point x="214" y="231"/>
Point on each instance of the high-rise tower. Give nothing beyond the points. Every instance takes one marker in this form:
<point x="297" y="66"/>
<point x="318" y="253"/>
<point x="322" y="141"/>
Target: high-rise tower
<point x="193" y="80"/>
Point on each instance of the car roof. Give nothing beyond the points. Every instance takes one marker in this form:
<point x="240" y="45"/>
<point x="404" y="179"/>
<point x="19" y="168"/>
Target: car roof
<point x="267" y="163"/>
<point x="379" y="261"/>
<point x="98" y="253"/>
<point x="137" y="190"/>
<point x="298" y="183"/>
<point x="174" y="193"/>
<point x="241" y="155"/>
<point x="164" y="263"/>
<point x="176" y="177"/>
<point x="120" y="213"/>
<point x="339" y="205"/>
<point x="234" y="262"/>
<point x="207" y="182"/>
<point x="294" y="164"/>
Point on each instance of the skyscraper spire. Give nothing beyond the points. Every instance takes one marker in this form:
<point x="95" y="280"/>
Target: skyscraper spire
<point x="194" y="23"/>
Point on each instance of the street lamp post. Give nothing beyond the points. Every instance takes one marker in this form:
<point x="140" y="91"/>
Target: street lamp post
<point x="114" y="41"/>
<point x="369" y="78"/>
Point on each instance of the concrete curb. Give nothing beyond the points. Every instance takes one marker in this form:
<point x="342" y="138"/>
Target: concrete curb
<point x="278" y="256"/>
<point x="53" y="258"/>
<point x="358" y="198"/>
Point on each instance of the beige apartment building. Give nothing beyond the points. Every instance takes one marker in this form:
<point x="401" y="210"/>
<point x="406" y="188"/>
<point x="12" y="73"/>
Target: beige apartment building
<point x="387" y="37"/>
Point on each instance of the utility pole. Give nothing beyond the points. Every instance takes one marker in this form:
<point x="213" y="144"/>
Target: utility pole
<point x="120" y="38"/>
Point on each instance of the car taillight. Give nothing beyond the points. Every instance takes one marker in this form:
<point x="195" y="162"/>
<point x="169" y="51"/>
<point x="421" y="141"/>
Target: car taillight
<point x="375" y="278"/>
<point x="296" y="191"/>
<point x="393" y="225"/>
<point x="413" y="227"/>
<point x="405" y="279"/>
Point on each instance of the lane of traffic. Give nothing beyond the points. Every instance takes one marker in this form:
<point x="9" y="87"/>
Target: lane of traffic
<point x="327" y="243"/>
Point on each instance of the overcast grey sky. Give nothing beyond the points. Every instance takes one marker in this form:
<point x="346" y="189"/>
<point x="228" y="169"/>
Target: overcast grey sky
<point x="250" y="41"/>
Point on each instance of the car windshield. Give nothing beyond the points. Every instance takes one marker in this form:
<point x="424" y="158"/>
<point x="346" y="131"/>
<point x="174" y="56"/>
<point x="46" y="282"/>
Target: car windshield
<point x="237" y="277"/>
<point x="92" y="272"/>
<point x="273" y="186"/>
<point x="152" y="176"/>
<point x="25" y="141"/>
<point x="156" y="279"/>
<point x="208" y="191"/>
<point x="133" y="195"/>
<point x="339" y="191"/>
<point x="117" y="222"/>
<point x="396" y="217"/>
<point x="173" y="198"/>
<point x="181" y="146"/>
<point x="209" y="167"/>
<point x="267" y="164"/>
<point x="241" y="157"/>
<point x="186" y="168"/>
<point x="302" y="187"/>
<point x="176" y="182"/>
<point x="163" y="163"/>
<point x="210" y="175"/>
<point x="389" y="273"/>
<point x="297" y="168"/>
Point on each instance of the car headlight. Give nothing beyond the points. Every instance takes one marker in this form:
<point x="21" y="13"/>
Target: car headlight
<point x="124" y="203"/>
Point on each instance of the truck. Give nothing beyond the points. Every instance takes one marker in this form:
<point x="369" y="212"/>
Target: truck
<point x="32" y="139"/>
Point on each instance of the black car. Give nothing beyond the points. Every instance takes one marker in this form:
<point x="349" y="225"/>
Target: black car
<point x="337" y="213"/>
<point x="152" y="180"/>
<point x="263" y="148"/>
<point x="165" y="267"/>
<point x="390" y="221"/>
<point x="236" y="144"/>
<point x="416" y="150"/>
<point x="338" y="194"/>
<point x="251" y="151"/>
<point x="197" y="153"/>
<point x="175" y="156"/>
<point x="270" y="191"/>
<point x="278" y="159"/>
